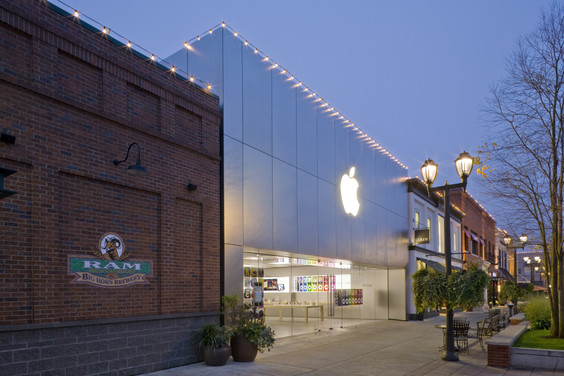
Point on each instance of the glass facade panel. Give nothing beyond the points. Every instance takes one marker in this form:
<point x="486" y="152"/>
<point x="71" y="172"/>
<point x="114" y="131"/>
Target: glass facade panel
<point x="300" y="295"/>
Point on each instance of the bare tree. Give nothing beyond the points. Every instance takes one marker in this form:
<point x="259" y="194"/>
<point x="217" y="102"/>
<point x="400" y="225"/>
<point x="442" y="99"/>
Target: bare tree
<point x="523" y="162"/>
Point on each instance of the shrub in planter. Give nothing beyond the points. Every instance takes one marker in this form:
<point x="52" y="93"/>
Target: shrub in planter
<point x="250" y="334"/>
<point x="214" y="343"/>
<point x="537" y="311"/>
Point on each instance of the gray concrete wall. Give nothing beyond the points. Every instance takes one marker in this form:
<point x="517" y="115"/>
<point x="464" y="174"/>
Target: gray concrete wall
<point x="522" y="357"/>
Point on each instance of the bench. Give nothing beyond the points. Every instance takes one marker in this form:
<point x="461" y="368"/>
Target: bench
<point x="499" y="354"/>
<point x="516" y="319"/>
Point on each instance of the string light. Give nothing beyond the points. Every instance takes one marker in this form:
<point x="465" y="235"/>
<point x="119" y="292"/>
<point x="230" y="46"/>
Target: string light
<point x="106" y="31"/>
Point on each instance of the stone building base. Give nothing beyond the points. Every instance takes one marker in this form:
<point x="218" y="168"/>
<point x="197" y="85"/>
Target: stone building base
<point x="127" y="346"/>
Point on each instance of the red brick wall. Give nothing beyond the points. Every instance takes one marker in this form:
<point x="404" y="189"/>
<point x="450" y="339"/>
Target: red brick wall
<point x="499" y="356"/>
<point x="476" y="220"/>
<point x="75" y="101"/>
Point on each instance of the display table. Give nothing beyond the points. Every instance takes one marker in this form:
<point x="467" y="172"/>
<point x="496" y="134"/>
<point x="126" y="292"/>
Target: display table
<point x="292" y="306"/>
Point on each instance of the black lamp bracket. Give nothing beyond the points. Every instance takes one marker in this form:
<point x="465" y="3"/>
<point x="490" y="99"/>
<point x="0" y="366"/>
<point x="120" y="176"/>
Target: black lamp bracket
<point x="116" y="162"/>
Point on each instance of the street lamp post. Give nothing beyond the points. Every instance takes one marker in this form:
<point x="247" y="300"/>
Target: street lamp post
<point x="534" y="265"/>
<point x="429" y="172"/>
<point x="508" y="241"/>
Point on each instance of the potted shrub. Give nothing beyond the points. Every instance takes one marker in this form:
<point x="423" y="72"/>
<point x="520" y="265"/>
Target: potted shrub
<point x="214" y="344"/>
<point x="249" y="332"/>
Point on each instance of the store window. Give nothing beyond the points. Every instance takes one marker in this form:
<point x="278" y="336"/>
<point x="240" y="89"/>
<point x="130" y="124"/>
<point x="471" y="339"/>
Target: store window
<point x="300" y="295"/>
<point x="417" y="219"/>
<point x="430" y="232"/>
<point x="454" y="241"/>
<point x="466" y="240"/>
<point x="475" y="244"/>
<point x="421" y="265"/>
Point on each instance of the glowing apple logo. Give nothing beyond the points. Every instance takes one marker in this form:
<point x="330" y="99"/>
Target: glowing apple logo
<point x="349" y="188"/>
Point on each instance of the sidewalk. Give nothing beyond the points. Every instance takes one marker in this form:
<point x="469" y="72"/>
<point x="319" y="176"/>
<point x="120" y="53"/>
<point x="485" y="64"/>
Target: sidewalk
<point x="377" y="348"/>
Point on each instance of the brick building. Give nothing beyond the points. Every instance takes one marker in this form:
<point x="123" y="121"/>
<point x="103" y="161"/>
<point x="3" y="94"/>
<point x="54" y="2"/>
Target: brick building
<point x="478" y="237"/>
<point x="479" y="229"/>
<point x="72" y="100"/>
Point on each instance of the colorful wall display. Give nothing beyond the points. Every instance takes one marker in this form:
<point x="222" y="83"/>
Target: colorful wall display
<point x="348" y="297"/>
<point x="271" y="284"/>
<point x="313" y="283"/>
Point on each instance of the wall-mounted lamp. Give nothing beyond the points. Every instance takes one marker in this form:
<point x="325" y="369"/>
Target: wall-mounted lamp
<point x="191" y="186"/>
<point x="137" y="168"/>
<point x="7" y="138"/>
<point x="4" y="172"/>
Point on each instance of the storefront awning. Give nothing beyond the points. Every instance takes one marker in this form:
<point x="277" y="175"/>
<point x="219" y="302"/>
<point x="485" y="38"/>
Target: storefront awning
<point x="437" y="266"/>
<point x="505" y="274"/>
<point x="475" y="238"/>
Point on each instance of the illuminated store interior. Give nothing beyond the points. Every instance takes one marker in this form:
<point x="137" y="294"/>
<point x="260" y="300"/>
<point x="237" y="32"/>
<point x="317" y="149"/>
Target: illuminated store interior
<point x="301" y="295"/>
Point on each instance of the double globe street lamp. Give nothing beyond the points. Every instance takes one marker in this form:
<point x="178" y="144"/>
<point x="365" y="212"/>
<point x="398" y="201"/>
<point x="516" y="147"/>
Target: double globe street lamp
<point x="534" y="263"/>
<point x="429" y="170"/>
<point x="508" y="241"/>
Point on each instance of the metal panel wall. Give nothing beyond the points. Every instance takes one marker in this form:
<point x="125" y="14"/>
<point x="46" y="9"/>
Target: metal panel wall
<point x="307" y="220"/>
<point x="257" y="198"/>
<point x="285" y="206"/>
<point x="233" y="190"/>
<point x="286" y="171"/>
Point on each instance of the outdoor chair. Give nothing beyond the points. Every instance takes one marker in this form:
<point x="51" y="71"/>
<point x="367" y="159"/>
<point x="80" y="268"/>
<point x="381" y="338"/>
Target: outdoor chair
<point x="461" y="335"/>
<point x="504" y="320"/>
<point x="496" y="324"/>
<point x="484" y="329"/>
<point x="459" y="319"/>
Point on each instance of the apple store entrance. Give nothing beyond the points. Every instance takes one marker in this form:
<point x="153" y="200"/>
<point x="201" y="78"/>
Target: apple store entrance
<point x="302" y="295"/>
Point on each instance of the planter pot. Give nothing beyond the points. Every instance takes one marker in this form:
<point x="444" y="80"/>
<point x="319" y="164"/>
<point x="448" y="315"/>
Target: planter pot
<point x="216" y="357"/>
<point x="242" y="349"/>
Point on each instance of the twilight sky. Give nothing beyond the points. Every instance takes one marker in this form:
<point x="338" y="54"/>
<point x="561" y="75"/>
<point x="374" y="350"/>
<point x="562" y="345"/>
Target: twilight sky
<point x="412" y="74"/>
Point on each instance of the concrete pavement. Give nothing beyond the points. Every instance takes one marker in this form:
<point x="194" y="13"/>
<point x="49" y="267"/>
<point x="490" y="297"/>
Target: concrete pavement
<point x="376" y="348"/>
